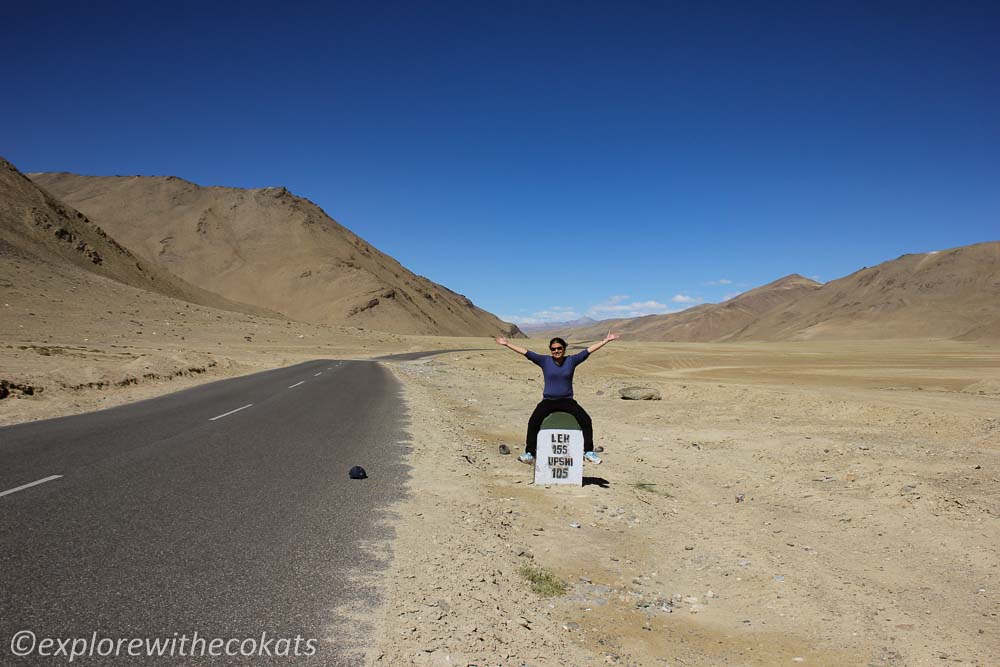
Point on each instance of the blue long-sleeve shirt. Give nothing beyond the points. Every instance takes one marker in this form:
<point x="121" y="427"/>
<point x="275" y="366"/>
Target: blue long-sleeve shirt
<point x="558" y="379"/>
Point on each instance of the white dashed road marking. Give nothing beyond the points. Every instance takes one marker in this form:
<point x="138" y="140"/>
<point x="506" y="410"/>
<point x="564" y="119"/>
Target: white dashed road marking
<point x="230" y="412"/>
<point x="297" y="384"/>
<point x="318" y="374"/>
<point x="25" y="486"/>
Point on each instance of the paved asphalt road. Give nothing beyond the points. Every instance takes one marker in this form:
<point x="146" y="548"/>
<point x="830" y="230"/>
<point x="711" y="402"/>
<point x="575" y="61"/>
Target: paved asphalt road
<point x="171" y="518"/>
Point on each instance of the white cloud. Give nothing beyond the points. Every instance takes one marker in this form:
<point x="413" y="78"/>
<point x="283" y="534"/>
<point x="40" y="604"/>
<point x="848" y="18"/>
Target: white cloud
<point x="552" y="314"/>
<point x="616" y="307"/>
<point x="720" y="281"/>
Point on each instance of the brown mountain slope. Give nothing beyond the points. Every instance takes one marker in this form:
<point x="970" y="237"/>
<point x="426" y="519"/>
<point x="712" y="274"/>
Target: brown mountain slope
<point x="35" y="226"/>
<point x="708" y="322"/>
<point x="273" y="249"/>
<point x="947" y="294"/>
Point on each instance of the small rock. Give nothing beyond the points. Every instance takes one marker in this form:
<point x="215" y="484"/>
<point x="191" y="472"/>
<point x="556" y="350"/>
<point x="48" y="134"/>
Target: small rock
<point x="357" y="472"/>
<point x="504" y="449"/>
<point x="574" y="525"/>
<point x="570" y="626"/>
<point x="740" y="497"/>
<point x="639" y="394"/>
<point x="523" y="622"/>
<point x="710" y="595"/>
<point x="598" y="449"/>
<point x="688" y="548"/>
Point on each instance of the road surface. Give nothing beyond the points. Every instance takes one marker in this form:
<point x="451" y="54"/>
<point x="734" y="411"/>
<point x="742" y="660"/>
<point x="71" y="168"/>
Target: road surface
<point x="223" y="510"/>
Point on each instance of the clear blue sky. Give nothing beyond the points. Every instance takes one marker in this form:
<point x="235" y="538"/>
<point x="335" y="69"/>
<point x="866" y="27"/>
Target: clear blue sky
<point x="560" y="158"/>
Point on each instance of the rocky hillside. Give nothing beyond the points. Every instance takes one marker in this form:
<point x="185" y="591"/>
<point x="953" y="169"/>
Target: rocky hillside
<point x="36" y="227"/>
<point x="272" y="249"/>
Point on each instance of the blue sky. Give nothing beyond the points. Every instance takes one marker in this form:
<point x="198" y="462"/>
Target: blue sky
<point x="546" y="159"/>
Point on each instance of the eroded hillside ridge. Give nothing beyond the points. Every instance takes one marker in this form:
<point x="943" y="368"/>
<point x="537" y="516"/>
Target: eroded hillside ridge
<point x="273" y="249"/>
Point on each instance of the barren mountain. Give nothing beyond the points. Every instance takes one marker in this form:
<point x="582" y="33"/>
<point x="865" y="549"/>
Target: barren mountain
<point x="948" y="294"/>
<point x="272" y="249"/>
<point x="708" y="322"/>
<point x="38" y="229"/>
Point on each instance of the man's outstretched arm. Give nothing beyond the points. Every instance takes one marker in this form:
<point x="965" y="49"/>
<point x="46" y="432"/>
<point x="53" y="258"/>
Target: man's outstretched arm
<point x="506" y="343"/>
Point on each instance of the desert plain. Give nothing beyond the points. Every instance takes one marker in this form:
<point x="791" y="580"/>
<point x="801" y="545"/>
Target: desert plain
<point x="818" y="503"/>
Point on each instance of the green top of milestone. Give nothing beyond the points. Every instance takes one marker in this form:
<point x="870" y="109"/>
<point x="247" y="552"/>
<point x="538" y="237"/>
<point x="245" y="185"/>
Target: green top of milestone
<point x="561" y="420"/>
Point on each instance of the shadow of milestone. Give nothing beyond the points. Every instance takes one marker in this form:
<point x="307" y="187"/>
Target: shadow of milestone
<point x="596" y="481"/>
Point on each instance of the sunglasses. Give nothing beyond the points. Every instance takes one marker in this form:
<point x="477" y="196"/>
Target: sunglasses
<point x="556" y="349"/>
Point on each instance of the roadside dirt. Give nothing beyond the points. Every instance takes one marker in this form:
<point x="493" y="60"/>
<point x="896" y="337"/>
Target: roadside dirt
<point x="842" y="511"/>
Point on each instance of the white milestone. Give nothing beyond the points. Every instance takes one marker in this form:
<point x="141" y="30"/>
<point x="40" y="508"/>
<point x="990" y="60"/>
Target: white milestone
<point x="559" y="457"/>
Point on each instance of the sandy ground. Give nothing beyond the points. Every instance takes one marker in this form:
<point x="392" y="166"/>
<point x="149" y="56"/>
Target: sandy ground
<point x="869" y="472"/>
<point x="866" y="535"/>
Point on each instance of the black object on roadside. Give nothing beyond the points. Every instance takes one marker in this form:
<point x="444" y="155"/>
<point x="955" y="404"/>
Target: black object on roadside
<point x="357" y="472"/>
<point x="504" y="449"/>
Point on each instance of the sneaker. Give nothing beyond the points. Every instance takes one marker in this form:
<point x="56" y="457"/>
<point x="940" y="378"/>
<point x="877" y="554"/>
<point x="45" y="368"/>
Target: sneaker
<point x="527" y="457"/>
<point x="592" y="457"/>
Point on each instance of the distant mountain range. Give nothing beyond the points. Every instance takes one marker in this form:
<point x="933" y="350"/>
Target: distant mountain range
<point x="554" y="326"/>
<point x="267" y="252"/>
<point x="947" y="294"/>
